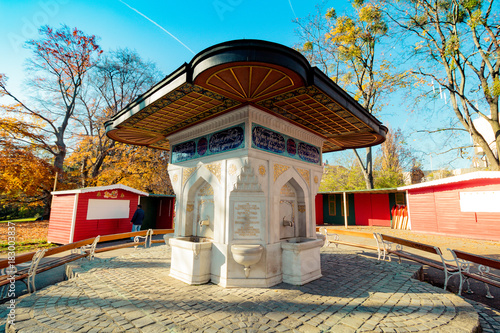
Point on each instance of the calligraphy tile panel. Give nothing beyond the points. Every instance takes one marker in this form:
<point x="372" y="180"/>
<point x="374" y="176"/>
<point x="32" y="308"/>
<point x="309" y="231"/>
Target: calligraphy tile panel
<point x="219" y="142"/>
<point x="280" y="144"/>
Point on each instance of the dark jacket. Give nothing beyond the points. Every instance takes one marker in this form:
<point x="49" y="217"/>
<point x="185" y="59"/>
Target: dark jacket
<point x="138" y="217"/>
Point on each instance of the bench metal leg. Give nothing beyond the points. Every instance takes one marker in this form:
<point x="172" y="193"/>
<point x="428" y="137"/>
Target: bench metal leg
<point x="482" y="271"/>
<point x="448" y="276"/>
<point x="147" y="239"/>
<point x="32" y="271"/>
<point x="488" y="294"/>
<point x="463" y="266"/>
<point x="381" y="247"/>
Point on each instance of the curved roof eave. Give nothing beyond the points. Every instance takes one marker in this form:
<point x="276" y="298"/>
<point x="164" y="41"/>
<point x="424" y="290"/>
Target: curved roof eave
<point x="351" y="125"/>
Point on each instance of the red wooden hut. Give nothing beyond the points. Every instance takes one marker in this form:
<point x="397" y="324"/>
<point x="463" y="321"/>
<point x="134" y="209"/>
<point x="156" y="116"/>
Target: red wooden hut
<point x="88" y="212"/>
<point x="364" y="207"/>
<point x="465" y="206"/>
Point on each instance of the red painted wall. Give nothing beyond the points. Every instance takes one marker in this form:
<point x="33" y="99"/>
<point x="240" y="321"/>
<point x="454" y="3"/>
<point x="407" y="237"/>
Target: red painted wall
<point x="319" y="208"/>
<point x="61" y="215"/>
<point x="165" y="213"/>
<point x="437" y="210"/>
<point x="381" y="211"/>
<point x="422" y="210"/>
<point x="362" y="208"/>
<point x="372" y="209"/>
<point x="90" y="228"/>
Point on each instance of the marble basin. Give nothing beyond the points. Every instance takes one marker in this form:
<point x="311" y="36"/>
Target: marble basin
<point x="194" y="239"/>
<point x="297" y="240"/>
<point x="301" y="260"/>
<point x="247" y="255"/>
<point x="191" y="259"/>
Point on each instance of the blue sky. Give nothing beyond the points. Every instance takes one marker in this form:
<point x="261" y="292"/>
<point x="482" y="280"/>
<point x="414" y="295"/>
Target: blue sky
<point x="195" y="25"/>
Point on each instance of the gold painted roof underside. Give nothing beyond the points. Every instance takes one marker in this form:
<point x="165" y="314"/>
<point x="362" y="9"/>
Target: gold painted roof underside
<point x="271" y="88"/>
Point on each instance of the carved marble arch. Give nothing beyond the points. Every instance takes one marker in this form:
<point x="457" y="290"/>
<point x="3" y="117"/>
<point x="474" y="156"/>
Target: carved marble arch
<point x="291" y="179"/>
<point x="200" y="192"/>
<point x="199" y="175"/>
<point x="296" y="179"/>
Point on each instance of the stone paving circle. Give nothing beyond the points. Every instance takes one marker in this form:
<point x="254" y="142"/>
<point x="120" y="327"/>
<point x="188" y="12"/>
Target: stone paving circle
<point x="133" y="293"/>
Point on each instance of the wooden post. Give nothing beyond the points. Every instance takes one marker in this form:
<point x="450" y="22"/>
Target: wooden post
<point x="345" y="208"/>
<point x="55" y="180"/>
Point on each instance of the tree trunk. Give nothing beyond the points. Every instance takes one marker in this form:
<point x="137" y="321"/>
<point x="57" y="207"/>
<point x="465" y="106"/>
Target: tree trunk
<point x="60" y="154"/>
<point x="84" y="172"/>
<point x="100" y="160"/>
<point x="368" y="169"/>
<point x="59" y="162"/>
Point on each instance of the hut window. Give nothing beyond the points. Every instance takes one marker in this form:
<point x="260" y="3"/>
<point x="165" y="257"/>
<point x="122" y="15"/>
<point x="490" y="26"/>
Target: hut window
<point x="332" y="207"/>
<point x="400" y="199"/>
<point x="100" y="209"/>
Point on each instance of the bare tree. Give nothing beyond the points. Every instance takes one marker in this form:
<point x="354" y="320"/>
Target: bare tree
<point x="457" y="44"/>
<point x="117" y="80"/>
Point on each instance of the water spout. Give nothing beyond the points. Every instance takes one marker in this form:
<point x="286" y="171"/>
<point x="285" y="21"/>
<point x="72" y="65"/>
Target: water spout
<point x="288" y="223"/>
<point x="204" y="222"/>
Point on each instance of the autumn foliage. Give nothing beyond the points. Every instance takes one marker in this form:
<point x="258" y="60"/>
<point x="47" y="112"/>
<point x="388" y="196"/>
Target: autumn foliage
<point x="25" y="178"/>
<point x="56" y="129"/>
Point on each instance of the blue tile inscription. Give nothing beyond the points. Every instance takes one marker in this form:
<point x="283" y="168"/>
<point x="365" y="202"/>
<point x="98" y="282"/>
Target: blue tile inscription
<point x="280" y="144"/>
<point x="215" y="143"/>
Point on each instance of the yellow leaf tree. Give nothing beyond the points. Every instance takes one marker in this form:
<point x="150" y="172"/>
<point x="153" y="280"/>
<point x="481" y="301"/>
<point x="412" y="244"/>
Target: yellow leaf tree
<point x="348" y="49"/>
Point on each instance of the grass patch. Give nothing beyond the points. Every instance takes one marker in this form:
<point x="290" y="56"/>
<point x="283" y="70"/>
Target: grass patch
<point x="26" y="246"/>
<point x="29" y="219"/>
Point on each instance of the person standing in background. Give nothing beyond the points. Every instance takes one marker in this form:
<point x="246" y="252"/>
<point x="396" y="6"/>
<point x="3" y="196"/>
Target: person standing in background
<point x="137" y="220"/>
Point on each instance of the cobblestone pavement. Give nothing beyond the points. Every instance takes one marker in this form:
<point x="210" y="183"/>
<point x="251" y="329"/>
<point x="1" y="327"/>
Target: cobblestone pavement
<point x="134" y="293"/>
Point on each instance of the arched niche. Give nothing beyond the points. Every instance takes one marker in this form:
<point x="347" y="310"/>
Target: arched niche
<point x="201" y="212"/>
<point x="291" y="195"/>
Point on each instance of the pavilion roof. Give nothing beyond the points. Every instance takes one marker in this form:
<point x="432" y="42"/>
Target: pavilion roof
<point x="224" y="77"/>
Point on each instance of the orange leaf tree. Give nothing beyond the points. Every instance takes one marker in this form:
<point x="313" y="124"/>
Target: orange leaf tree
<point x="26" y="179"/>
<point x="60" y="62"/>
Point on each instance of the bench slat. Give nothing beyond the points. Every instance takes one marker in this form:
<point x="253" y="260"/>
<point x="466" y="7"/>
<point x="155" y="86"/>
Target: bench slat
<point x="406" y="242"/>
<point x="424" y="261"/>
<point x="478" y="259"/>
<point x="347" y="232"/>
<point x="116" y="247"/>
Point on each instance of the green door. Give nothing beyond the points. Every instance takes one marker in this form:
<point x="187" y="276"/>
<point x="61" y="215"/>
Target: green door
<point x="333" y="209"/>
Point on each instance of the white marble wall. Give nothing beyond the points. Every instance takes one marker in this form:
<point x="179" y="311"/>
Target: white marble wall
<point x="246" y="187"/>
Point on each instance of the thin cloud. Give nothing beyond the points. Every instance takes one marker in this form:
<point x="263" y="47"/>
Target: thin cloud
<point x="293" y="11"/>
<point x="159" y="26"/>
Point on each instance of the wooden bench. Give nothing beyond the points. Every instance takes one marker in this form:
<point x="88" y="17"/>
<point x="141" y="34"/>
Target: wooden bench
<point x="385" y="242"/>
<point x="333" y="237"/>
<point x="35" y="267"/>
<point x="127" y="235"/>
<point x="27" y="275"/>
<point x="465" y="259"/>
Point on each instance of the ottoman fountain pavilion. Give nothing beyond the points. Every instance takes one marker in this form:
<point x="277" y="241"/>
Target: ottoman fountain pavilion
<point x="246" y="123"/>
